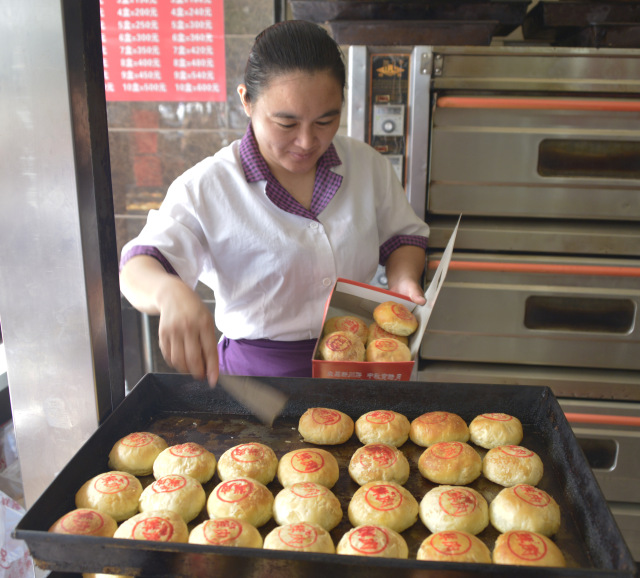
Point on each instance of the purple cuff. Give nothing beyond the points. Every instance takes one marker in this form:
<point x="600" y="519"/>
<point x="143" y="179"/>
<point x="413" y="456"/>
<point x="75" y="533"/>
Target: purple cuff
<point x="398" y="241"/>
<point x="149" y="251"/>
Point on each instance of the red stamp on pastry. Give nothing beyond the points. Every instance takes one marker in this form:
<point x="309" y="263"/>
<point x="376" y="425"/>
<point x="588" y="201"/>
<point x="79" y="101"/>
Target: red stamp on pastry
<point x="386" y="344"/>
<point x="516" y="451"/>
<point x="188" y="450"/>
<point x="325" y="416"/>
<point x="446" y="450"/>
<point x="155" y="528"/>
<point x="234" y="490"/>
<point x="527" y="546"/>
<point x="222" y="531"/>
<point x="338" y="342"/>
<point x="434" y="417"/>
<point x="300" y="535"/>
<point x="349" y="325"/>
<point x="308" y="490"/>
<point x="111" y="483"/>
<point x="383" y="497"/>
<point x="458" y="502"/>
<point x="450" y="543"/>
<point x="498" y="416"/>
<point x="532" y="495"/>
<point x="169" y="483"/>
<point x="137" y="440"/>
<point x="377" y="455"/>
<point x="401" y="312"/>
<point x="369" y="540"/>
<point x="82" y="522"/>
<point x="380" y="417"/>
<point x="247" y="453"/>
<point x="307" y="461"/>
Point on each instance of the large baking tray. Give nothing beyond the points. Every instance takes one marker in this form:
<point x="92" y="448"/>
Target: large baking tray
<point x="181" y="410"/>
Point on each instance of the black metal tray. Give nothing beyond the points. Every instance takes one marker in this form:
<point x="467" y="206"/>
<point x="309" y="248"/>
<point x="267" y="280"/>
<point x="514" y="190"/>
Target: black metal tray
<point x="181" y="410"/>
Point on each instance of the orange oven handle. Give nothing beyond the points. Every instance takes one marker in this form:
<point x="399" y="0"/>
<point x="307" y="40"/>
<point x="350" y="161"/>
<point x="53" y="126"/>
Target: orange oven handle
<point x="603" y="419"/>
<point x="538" y="103"/>
<point x="602" y="271"/>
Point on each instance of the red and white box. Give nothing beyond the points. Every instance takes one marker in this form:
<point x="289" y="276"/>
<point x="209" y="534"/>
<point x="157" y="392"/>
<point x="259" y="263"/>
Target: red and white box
<point x="359" y="299"/>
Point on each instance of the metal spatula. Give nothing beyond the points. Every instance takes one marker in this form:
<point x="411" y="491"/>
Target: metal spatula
<point x="262" y="400"/>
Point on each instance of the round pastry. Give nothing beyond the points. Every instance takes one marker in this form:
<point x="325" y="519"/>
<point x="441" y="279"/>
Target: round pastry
<point x="438" y="426"/>
<point x="241" y="498"/>
<point x="511" y="465"/>
<point x="376" y="332"/>
<point x="454" y="546"/>
<point x="307" y="502"/>
<point x="300" y="537"/>
<point x="452" y="463"/>
<point x="319" y="425"/>
<point x="251" y="460"/>
<point x="376" y="541"/>
<point x="85" y="522"/>
<point x="349" y="323"/>
<point x="383" y="504"/>
<point x="136" y="453"/>
<point x="341" y="346"/>
<point x="524" y="507"/>
<point x="113" y="493"/>
<point x="491" y="430"/>
<point x="157" y="526"/>
<point x="382" y="426"/>
<point x="378" y="462"/>
<point x="524" y="548"/>
<point x="395" y="318"/>
<point x="188" y="459"/>
<point x="447" y="508"/>
<point x="226" y="532"/>
<point x="176" y="492"/>
<point x="387" y="350"/>
<point x="308" y="465"/>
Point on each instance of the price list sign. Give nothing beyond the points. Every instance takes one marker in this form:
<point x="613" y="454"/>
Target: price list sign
<point x="168" y="50"/>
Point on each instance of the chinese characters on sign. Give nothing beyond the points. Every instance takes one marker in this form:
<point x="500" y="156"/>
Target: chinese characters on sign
<point x="168" y="50"/>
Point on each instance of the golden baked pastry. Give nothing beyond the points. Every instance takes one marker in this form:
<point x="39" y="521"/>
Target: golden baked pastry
<point x="113" y="493"/>
<point x="242" y="498"/>
<point x="350" y="323"/>
<point x="226" y="532"/>
<point x="189" y="459"/>
<point x="308" y="465"/>
<point x="378" y="462"/>
<point x="324" y="426"/>
<point x="511" y="465"/>
<point x="438" y="426"/>
<point x="136" y="452"/>
<point x="374" y="541"/>
<point x="341" y="346"/>
<point x="446" y="508"/>
<point x="376" y="332"/>
<point x="454" y="546"/>
<point x="383" y="504"/>
<point x="395" y="318"/>
<point x="387" y="350"/>
<point x="300" y="537"/>
<point x="250" y="460"/>
<point x="156" y="526"/>
<point x="450" y="463"/>
<point x="307" y="502"/>
<point x="524" y="507"/>
<point x="382" y="426"/>
<point x="490" y="430"/>
<point x="85" y="522"/>
<point x="524" y="548"/>
<point x="176" y="492"/>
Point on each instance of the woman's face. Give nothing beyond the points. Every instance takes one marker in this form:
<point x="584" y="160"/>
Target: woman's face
<point x="295" y="119"/>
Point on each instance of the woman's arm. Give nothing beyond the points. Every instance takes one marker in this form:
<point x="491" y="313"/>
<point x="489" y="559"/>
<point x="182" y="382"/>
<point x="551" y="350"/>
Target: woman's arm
<point x="404" y="268"/>
<point x="186" y="330"/>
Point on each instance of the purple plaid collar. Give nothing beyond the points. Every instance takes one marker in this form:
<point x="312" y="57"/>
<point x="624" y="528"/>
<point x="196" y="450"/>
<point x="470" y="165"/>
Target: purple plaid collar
<point x="326" y="185"/>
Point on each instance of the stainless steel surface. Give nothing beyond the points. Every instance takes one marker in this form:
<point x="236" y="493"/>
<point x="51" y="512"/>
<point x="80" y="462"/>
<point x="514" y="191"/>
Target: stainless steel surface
<point x="44" y="291"/>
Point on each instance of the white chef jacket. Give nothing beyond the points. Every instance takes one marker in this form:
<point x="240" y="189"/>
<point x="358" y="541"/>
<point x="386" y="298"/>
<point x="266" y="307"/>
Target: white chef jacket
<point x="272" y="271"/>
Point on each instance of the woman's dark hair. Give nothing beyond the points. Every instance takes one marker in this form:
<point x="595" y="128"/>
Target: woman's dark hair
<point x="289" y="46"/>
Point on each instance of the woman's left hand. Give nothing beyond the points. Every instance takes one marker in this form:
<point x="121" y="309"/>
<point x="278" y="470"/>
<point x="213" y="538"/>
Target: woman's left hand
<point x="404" y="269"/>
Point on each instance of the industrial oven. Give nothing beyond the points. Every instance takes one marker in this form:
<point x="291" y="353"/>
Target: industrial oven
<point x="538" y="149"/>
